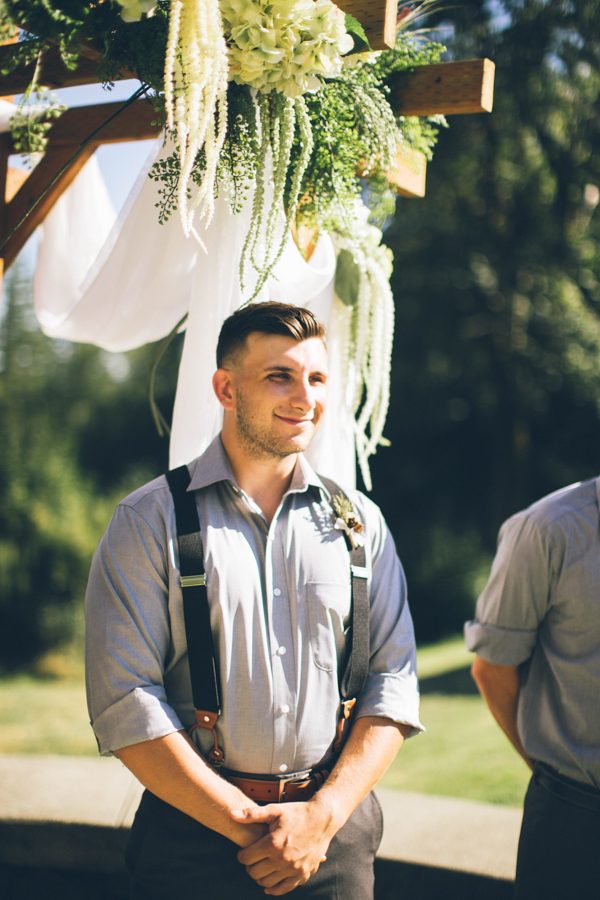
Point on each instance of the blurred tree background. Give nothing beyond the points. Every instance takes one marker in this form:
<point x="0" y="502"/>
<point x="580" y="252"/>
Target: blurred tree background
<point x="496" y="380"/>
<point x="77" y="435"/>
<point x="496" y="384"/>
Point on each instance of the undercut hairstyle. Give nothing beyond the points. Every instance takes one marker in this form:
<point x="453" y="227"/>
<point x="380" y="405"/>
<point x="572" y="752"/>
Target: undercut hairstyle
<point x="267" y="318"/>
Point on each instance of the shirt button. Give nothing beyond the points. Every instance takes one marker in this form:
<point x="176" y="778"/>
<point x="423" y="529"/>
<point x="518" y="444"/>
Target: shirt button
<point x="277" y="592"/>
<point x="283" y="767"/>
<point x="285" y="709"/>
<point x="281" y="651"/>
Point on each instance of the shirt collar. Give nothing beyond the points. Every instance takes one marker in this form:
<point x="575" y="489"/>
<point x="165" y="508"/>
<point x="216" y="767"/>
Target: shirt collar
<point x="214" y="466"/>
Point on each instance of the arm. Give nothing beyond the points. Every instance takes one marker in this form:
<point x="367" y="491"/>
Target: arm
<point x="499" y="686"/>
<point x="300" y="833"/>
<point x="171" y="769"/>
<point x="129" y="635"/>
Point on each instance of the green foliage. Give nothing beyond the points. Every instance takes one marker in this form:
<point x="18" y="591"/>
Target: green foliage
<point x="347" y="278"/>
<point x="37" y="110"/>
<point x="354" y="121"/>
<point x="61" y="470"/>
<point x="353" y="27"/>
<point x="137" y="46"/>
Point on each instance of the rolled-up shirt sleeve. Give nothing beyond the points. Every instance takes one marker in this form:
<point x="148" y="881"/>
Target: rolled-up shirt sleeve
<point x="516" y="597"/>
<point x="391" y="688"/>
<point x="128" y="635"/>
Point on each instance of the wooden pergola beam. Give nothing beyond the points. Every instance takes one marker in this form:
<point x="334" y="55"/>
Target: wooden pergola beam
<point x="446" y="89"/>
<point x="378" y="18"/>
<point x="408" y="174"/>
<point x="69" y="148"/>
<point x="14" y="179"/>
<point x="112" y="123"/>
<point x="26" y="211"/>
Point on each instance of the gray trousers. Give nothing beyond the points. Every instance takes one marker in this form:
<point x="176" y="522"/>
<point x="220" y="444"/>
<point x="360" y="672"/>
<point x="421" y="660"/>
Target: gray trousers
<point x="559" y="846"/>
<point x="170" y="855"/>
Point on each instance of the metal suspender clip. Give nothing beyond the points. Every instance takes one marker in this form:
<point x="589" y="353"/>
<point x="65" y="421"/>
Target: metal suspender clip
<point x="192" y="580"/>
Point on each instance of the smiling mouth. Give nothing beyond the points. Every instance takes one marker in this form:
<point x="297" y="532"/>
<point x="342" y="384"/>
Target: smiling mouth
<point x="291" y="421"/>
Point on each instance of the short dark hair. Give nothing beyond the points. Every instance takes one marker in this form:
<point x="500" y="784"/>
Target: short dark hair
<point x="267" y="318"/>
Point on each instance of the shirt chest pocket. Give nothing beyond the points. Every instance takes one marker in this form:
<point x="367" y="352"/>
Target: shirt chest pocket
<point x="328" y="612"/>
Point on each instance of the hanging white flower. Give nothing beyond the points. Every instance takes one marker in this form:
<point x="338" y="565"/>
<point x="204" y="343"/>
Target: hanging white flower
<point x="196" y="100"/>
<point x="284" y="45"/>
<point x="366" y="323"/>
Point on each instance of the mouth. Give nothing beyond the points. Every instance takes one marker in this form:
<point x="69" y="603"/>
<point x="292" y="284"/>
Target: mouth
<point x="289" y="420"/>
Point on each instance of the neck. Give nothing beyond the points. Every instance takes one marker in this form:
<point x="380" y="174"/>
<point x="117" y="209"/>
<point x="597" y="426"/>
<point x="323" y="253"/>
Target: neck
<point x="264" y="478"/>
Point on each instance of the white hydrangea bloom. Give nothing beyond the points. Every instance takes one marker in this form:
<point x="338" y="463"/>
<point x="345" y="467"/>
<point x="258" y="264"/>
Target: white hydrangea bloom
<point x="284" y="45"/>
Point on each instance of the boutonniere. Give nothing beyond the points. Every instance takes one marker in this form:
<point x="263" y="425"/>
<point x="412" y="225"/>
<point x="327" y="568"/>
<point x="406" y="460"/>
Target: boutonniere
<point x="347" y="520"/>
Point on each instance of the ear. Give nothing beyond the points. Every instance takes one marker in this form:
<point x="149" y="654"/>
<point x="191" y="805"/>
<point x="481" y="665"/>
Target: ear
<point x="223" y="387"/>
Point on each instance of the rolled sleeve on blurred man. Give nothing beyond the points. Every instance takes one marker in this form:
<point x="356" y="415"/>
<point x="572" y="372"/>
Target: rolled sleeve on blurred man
<point x="537" y="639"/>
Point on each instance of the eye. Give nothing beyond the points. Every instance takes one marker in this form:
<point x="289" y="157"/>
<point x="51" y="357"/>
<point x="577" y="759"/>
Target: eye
<point x="278" y="376"/>
<point x="318" y="379"/>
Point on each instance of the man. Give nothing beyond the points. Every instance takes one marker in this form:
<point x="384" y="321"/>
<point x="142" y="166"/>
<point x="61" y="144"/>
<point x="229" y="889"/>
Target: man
<point x="278" y="584"/>
<point x="537" y="639"/>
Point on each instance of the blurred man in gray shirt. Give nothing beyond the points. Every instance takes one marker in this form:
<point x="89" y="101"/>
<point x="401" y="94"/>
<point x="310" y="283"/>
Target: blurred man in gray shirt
<point x="537" y="639"/>
<point x="278" y="585"/>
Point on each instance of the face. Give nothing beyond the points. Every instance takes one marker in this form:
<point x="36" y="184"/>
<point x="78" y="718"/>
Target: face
<point x="275" y="394"/>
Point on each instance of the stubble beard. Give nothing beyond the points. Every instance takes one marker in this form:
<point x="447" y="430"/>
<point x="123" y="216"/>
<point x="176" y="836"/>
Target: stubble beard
<point x="258" y="441"/>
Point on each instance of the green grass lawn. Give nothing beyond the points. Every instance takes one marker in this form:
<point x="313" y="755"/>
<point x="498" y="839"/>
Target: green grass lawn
<point x="462" y="754"/>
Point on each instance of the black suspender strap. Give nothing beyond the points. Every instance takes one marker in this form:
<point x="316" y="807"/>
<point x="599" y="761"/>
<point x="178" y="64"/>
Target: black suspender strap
<point x="358" y="653"/>
<point x="201" y="655"/>
<point x="358" y="643"/>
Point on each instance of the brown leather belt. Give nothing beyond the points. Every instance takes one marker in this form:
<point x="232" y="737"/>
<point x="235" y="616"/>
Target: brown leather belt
<point x="297" y="786"/>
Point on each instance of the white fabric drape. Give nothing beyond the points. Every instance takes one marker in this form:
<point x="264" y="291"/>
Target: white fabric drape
<point x="122" y="282"/>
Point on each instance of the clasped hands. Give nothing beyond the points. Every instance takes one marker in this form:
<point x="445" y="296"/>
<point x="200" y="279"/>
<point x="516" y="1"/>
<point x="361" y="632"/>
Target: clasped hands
<point x="292" y="847"/>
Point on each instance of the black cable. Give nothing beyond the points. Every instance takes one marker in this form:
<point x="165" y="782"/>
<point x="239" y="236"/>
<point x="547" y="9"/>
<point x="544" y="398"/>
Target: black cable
<point x="143" y="89"/>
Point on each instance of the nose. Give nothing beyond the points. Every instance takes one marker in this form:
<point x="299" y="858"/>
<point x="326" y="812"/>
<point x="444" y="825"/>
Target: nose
<point x="303" y="395"/>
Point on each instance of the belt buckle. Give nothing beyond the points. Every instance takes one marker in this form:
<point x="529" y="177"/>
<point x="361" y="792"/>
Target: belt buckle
<point x="293" y="778"/>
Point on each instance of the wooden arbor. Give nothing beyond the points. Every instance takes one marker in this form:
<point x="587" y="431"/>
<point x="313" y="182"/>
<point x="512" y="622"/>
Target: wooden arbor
<point x="446" y="88"/>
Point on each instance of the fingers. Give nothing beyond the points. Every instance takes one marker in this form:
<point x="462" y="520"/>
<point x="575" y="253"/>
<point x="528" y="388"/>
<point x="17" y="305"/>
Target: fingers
<point x="254" y="814"/>
<point x="275" y="881"/>
<point x="280" y="875"/>
<point x="254" y="853"/>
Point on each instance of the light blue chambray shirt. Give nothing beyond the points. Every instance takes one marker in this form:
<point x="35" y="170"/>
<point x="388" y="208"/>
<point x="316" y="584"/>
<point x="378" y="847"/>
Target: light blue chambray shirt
<point x="540" y="610"/>
<point x="279" y="597"/>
